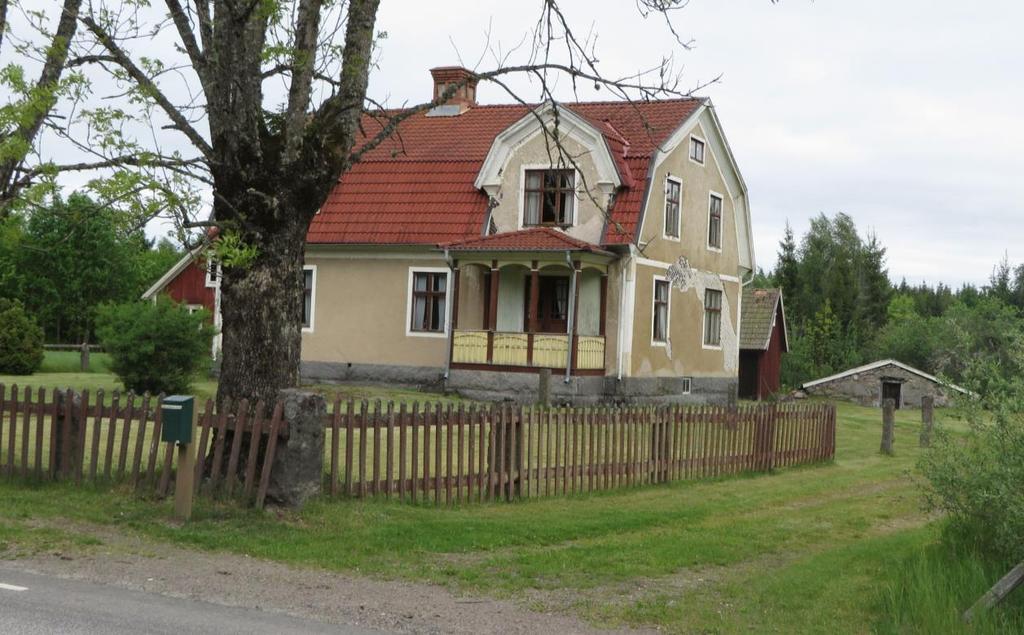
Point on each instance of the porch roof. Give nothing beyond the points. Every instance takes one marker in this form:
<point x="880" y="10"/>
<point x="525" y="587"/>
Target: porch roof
<point x="533" y="239"/>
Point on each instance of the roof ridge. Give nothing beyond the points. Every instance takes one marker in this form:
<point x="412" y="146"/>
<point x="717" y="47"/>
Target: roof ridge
<point x="604" y="102"/>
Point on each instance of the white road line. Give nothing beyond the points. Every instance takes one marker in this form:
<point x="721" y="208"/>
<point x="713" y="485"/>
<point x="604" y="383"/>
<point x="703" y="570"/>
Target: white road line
<point x="12" y="587"/>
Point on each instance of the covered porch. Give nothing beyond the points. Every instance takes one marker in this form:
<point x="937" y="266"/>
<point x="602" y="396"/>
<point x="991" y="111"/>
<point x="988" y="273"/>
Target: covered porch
<point x="522" y="308"/>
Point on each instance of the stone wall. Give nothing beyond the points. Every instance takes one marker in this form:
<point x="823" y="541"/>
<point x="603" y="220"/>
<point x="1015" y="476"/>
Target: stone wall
<point x="866" y="388"/>
<point x="524" y="387"/>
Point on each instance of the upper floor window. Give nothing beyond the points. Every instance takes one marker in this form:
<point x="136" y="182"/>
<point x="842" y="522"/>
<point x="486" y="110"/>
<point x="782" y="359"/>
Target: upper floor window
<point x="697" y="150"/>
<point x="550" y="197"/>
<point x="712" y="317"/>
<point x="673" y="195"/>
<point x="308" y="282"/>
<point x="715" y="222"/>
<point x="429" y="294"/>
<point x="659" y="328"/>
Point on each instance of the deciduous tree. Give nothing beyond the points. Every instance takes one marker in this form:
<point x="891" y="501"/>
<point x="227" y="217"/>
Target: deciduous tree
<point x="265" y="102"/>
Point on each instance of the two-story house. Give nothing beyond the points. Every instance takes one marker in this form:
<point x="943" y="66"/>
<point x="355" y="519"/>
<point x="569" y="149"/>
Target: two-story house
<point x="471" y="249"/>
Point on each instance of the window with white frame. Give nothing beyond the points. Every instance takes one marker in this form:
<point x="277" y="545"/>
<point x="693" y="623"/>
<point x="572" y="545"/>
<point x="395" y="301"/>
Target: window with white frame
<point x="715" y="222"/>
<point x="429" y="296"/>
<point x="712" y="317"/>
<point x="549" y="197"/>
<point x="697" y="150"/>
<point x="212" y="273"/>
<point x="659" y="326"/>
<point x="673" y="197"/>
<point x="687" y="385"/>
<point x="308" y="290"/>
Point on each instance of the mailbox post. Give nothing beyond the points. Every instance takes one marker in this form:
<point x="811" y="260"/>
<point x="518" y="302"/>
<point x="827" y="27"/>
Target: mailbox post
<point x="178" y="423"/>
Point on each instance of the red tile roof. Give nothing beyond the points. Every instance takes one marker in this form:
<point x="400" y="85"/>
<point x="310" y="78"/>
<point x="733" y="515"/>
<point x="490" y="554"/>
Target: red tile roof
<point x="417" y="186"/>
<point x="533" y="239"/>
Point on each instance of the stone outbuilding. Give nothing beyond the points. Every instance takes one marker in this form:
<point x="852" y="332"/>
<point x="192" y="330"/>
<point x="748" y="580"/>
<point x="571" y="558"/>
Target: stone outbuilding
<point x="868" y="385"/>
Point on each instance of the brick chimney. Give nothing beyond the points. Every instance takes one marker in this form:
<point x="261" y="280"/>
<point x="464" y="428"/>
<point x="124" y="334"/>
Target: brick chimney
<point x="465" y="95"/>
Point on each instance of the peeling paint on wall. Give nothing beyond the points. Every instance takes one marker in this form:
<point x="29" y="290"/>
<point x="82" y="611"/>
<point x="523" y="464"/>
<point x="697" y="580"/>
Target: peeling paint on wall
<point x="685" y="278"/>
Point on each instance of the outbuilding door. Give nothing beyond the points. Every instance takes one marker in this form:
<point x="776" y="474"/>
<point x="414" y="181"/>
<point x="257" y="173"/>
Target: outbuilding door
<point x="892" y="390"/>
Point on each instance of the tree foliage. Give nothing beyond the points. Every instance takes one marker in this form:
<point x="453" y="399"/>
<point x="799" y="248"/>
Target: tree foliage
<point x="21" y="340"/>
<point x="63" y="259"/>
<point x="843" y="311"/>
<point x="155" y="346"/>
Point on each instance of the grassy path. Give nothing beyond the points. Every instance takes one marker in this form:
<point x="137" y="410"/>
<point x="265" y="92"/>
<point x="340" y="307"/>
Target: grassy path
<point x="802" y="550"/>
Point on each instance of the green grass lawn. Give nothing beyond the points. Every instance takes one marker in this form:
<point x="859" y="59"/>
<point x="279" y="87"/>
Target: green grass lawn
<point x="843" y="547"/>
<point x="61" y="370"/>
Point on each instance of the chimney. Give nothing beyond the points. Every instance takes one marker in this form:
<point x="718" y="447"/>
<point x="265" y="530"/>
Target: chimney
<point x="464" y="96"/>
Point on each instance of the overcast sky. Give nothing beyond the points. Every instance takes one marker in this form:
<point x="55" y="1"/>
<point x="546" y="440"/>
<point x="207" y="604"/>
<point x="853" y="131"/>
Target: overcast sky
<point x="908" y="115"/>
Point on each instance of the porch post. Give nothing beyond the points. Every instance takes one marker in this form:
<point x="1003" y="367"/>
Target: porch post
<point x="604" y="317"/>
<point x="455" y="316"/>
<point x="531" y="314"/>
<point x="455" y="296"/>
<point x="493" y="310"/>
<point x="574" y="291"/>
<point x="575" y="338"/>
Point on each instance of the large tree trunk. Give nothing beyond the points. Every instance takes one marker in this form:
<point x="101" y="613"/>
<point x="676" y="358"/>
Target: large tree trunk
<point x="261" y="309"/>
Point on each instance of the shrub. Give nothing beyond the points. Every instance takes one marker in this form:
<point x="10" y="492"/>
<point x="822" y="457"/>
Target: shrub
<point x="21" y="340"/>
<point x="978" y="480"/>
<point x="155" y="346"/>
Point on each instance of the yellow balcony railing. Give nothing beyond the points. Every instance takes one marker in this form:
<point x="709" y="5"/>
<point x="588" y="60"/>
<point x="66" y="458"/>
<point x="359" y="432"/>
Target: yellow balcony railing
<point x="589" y="352"/>
<point x="513" y="349"/>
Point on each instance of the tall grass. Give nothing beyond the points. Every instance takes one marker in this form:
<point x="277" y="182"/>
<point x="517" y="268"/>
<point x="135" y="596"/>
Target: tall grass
<point x="935" y="585"/>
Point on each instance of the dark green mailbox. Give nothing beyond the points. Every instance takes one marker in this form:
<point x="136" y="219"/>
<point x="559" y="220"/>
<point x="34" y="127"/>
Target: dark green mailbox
<point x="177" y="419"/>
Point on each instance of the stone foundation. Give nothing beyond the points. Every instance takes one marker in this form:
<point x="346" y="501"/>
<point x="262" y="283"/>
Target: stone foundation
<point x="524" y="387"/>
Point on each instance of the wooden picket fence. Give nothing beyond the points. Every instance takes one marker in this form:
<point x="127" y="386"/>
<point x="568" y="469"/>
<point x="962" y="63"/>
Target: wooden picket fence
<point x="118" y="440"/>
<point x="459" y="454"/>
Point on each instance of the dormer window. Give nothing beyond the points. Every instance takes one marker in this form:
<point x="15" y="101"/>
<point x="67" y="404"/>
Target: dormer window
<point x="697" y="150"/>
<point x="550" y="197"/>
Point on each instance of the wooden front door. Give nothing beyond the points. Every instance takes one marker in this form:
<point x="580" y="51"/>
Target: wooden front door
<point x="892" y="390"/>
<point x="552" y="304"/>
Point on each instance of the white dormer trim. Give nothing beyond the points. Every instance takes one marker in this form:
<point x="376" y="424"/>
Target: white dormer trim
<point x="571" y="125"/>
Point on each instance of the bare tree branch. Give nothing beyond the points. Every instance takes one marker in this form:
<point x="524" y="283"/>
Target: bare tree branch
<point x="53" y="68"/>
<point x="188" y="38"/>
<point x="146" y="83"/>
<point x="307" y="25"/>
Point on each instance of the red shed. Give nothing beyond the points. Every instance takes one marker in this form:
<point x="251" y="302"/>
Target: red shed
<point x="763" y="340"/>
<point x="191" y="283"/>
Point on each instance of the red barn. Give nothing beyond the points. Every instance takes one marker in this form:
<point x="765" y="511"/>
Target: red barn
<point x="763" y="340"/>
<point x="192" y="283"/>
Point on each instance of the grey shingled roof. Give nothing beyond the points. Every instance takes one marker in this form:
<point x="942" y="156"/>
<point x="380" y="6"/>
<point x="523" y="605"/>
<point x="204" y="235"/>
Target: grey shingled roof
<point x="757" y="318"/>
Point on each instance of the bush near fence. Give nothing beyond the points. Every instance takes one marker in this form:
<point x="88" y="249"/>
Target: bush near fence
<point x="429" y="452"/>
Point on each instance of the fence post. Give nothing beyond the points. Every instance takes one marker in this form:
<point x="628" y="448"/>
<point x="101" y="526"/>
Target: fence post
<point x="66" y="430"/>
<point x="84" y="357"/>
<point x="544" y="387"/>
<point x="773" y="412"/>
<point x="927" y="419"/>
<point x="888" y="425"/>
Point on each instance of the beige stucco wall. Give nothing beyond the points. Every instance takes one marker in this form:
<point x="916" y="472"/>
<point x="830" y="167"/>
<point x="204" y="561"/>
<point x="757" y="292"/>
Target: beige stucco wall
<point x="361" y="311"/>
<point x="589" y="220"/>
<point x="698" y="182"/>
<point x="685" y="353"/>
